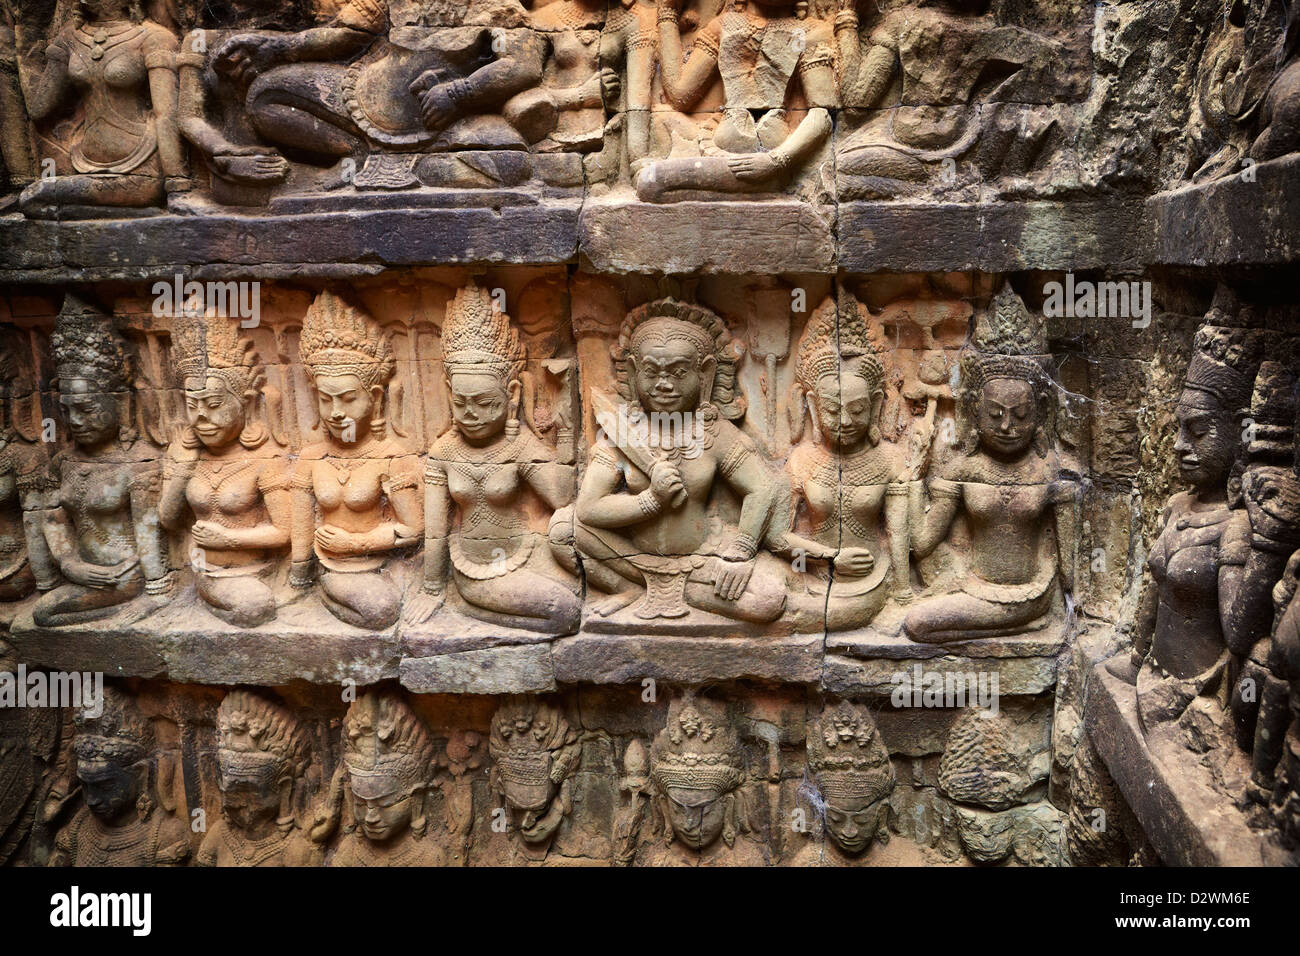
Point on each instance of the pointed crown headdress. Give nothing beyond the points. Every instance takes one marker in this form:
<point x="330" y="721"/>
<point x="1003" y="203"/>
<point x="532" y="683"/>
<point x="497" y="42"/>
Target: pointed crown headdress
<point x="668" y="319"/>
<point x="121" y="734"/>
<point x="1224" y="362"/>
<point x="340" y="339"/>
<point x="479" y="337"/>
<point x="528" y="743"/>
<point x="846" y="756"/>
<point x="697" y="757"/>
<point x="87" y="347"/>
<point x="259" y="740"/>
<point x="384" y="737"/>
<point x="837" y="334"/>
<point x="1273" y="408"/>
<point x="210" y="345"/>
<point x="1009" y="341"/>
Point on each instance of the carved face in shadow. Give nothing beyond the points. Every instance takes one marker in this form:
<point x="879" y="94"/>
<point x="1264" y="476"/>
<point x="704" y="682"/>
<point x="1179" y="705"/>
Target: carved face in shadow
<point x="669" y="375"/>
<point x="480" y="405"/>
<point x="1207" y="441"/>
<point x="382" y="807"/>
<point x="346" y="406"/>
<point x="109" y="789"/>
<point x="697" y="816"/>
<point x="852" y="822"/>
<point x="106" y="9"/>
<point x="214" y="412"/>
<point x="92" y="415"/>
<point x="845" y="410"/>
<point x="1006" y="417"/>
<point x="249" y="804"/>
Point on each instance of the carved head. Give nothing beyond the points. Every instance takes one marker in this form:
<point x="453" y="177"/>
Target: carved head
<point x="91" y="364"/>
<point x="349" y="361"/>
<point x="674" y="358"/>
<point x="534" y="752"/>
<point x="114" y="758"/>
<point x="223" y="382"/>
<point x="697" y="767"/>
<point x="839" y="376"/>
<point x="390" y="758"/>
<point x="851" y="768"/>
<point x="262" y="751"/>
<point x="484" y="363"/>
<point x="1270" y="486"/>
<point x="1006" y="391"/>
<point x="1214" y="404"/>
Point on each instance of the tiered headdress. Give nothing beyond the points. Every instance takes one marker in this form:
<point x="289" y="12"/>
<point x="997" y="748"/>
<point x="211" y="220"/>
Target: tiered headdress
<point x="121" y="734"/>
<point x="340" y="339"/>
<point x="87" y="347"/>
<point x="667" y="319"/>
<point x="383" y="739"/>
<point x="836" y="338"/>
<point x="697" y="757"/>
<point x="1224" y="363"/>
<point x="846" y="756"/>
<point x="478" y="337"/>
<point x="259" y="741"/>
<point x="532" y="747"/>
<point x="211" y="345"/>
<point x="1009" y="341"/>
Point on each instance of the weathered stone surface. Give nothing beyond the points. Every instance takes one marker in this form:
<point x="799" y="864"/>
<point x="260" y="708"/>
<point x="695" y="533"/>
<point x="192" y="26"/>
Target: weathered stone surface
<point x="1015" y="675"/>
<point x="1248" y="219"/>
<point x="1029" y="833"/>
<point x="520" y="669"/>
<point x="771" y="235"/>
<point x="624" y="658"/>
<point x="1187" y="819"/>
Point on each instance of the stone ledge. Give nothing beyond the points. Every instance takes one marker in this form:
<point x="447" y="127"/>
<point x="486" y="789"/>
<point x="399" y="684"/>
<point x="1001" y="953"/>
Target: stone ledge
<point x="854" y="676"/>
<point x="621" y="659"/>
<point x="757" y="235"/>
<point x="1187" y="820"/>
<point x="516" y="669"/>
<point x="1084" y="233"/>
<point x="1229" y="222"/>
<point x="225" y="246"/>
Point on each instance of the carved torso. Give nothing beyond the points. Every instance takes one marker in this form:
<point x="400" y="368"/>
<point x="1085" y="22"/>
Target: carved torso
<point x="96" y="497"/>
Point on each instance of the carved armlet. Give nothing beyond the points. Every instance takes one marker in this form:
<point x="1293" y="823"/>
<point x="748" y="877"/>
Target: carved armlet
<point x="401" y="482"/>
<point x="435" y="474"/>
<point x="160" y="60"/>
<point x="272" y="479"/>
<point x="737" y="454"/>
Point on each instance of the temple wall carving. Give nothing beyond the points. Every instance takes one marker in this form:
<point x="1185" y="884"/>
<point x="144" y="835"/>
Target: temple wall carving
<point x="654" y="432"/>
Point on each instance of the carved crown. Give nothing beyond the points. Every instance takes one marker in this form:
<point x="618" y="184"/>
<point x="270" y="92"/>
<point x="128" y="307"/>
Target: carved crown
<point x="697" y="752"/>
<point x="211" y="345"/>
<point x="383" y="737"/>
<point x="837" y="334"/>
<point x="1009" y="341"/>
<point x="340" y="339"/>
<point x="1224" y="363"/>
<point x="120" y="734"/>
<point x="528" y="742"/>
<point x="846" y="755"/>
<point x="477" y="335"/>
<point x="86" y="346"/>
<point x="258" y="739"/>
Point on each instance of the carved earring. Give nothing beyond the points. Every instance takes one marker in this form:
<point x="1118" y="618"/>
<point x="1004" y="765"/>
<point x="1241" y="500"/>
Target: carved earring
<point x="420" y="822"/>
<point x="378" y="424"/>
<point x="284" y="822"/>
<point x="512" y="415"/>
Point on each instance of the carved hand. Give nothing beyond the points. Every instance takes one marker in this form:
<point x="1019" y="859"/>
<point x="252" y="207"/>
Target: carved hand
<point x="209" y="534"/>
<point x="245" y="55"/>
<point x="437" y="107"/>
<point x="180" y="455"/>
<point x="730" y="578"/>
<point x="90" y="575"/>
<point x="752" y="167"/>
<point x="666" y="482"/>
<point x="855" y="562"/>
<point x="610" y="86"/>
<point x="341" y="542"/>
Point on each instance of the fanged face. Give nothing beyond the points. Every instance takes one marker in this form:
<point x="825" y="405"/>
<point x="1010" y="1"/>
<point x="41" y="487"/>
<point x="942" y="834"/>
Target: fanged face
<point x="480" y="405"/>
<point x="700" y="825"/>
<point x="668" y="375"/>
<point x="844" y="407"/>
<point x="1006" y="417"/>
<point x="853" y="825"/>
<point x="109" y="789"/>
<point x="1207" y="441"/>
<point x="92" y="415"/>
<point x="345" y="405"/>
<point x="384" y="811"/>
<point x="215" y="414"/>
<point x="248" y="805"/>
